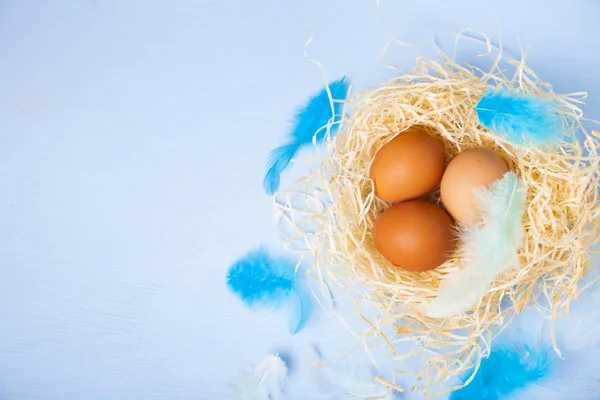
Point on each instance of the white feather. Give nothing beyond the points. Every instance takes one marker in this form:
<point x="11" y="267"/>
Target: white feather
<point x="264" y="381"/>
<point x="359" y="384"/>
<point x="586" y="331"/>
<point x="488" y="248"/>
<point x="364" y="388"/>
<point x="574" y="377"/>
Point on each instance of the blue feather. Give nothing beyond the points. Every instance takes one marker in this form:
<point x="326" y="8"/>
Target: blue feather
<point x="260" y="279"/>
<point x="507" y="370"/>
<point x="300" y="309"/>
<point x="309" y="121"/>
<point x="278" y="160"/>
<point x="524" y="119"/>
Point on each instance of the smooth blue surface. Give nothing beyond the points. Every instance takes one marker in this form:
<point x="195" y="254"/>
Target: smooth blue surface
<point x="133" y="136"/>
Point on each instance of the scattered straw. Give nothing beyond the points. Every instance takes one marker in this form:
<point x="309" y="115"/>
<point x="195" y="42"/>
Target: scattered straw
<point x="331" y="213"/>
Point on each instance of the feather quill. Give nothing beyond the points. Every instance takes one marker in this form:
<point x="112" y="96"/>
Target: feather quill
<point x="507" y="370"/>
<point x="261" y="279"/>
<point x="365" y="388"/>
<point x="489" y="248"/>
<point x="520" y="117"/>
<point x="265" y="381"/>
<point x="358" y="387"/>
<point x="353" y="385"/>
<point x="310" y="120"/>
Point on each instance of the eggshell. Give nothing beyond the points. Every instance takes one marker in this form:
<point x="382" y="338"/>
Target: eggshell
<point x="467" y="171"/>
<point x="414" y="235"/>
<point x="408" y="167"/>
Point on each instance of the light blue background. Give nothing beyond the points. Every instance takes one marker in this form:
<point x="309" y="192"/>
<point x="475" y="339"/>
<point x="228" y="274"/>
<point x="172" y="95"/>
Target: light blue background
<point x="133" y="136"/>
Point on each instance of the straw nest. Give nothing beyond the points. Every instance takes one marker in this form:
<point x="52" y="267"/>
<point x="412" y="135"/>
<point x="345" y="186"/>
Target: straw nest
<point x="332" y="210"/>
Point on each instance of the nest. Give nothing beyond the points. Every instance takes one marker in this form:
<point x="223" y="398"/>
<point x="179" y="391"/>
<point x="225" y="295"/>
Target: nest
<point x="332" y="210"/>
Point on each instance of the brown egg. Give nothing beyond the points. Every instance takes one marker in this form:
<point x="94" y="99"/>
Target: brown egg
<point x="414" y="235"/>
<point x="408" y="167"/>
<point x="467" y="171"/>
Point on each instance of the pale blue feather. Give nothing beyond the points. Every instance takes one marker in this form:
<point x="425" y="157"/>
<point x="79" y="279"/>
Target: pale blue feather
<point x="299" y="309"/>
<point x="523" y="119"/>
<point x="261" y="279"/>
<point x="310" y="120"/>
<point x="507" y="370"/>
<point x="489" y="248"/>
